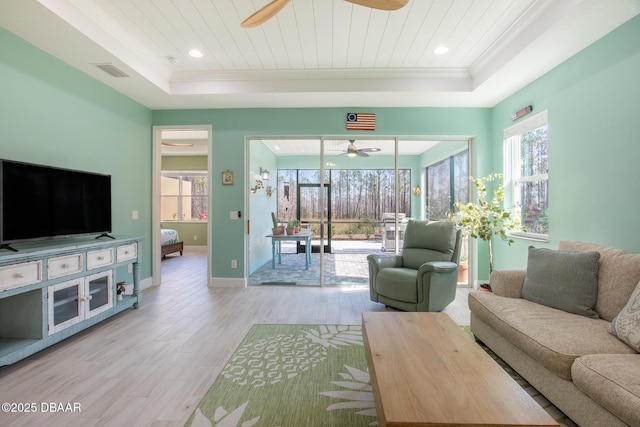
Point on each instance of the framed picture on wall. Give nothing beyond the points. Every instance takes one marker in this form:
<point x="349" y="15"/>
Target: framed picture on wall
<point x="227" y="177"/>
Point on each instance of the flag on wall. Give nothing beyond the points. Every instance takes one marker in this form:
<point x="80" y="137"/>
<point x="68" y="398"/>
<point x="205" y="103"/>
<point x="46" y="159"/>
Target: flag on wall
<point x="361" y="121"/>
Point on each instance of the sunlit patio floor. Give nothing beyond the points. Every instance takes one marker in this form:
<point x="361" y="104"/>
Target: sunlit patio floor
<point x="345" y="266"/>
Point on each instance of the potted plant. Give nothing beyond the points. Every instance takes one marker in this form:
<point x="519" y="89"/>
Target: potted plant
<point x="275" y="230"/>
<point x="293" y="226"/>
<point x="463" y="270"/>
<point x="120" y="290"/>
<point x="486" y="218"/>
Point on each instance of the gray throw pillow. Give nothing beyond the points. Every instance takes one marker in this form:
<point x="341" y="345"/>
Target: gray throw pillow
<point x="567" y="281"/>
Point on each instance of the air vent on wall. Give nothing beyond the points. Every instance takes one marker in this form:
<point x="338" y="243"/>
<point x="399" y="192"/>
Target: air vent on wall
<point x="112" y="70"/>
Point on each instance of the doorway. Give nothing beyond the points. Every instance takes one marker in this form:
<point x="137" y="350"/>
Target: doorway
<point x="373" y="186"/>
<point x="181" y="201"/>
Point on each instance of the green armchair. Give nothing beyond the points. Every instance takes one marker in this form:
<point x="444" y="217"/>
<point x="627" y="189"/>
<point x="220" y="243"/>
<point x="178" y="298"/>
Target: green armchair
<point x="425" y="276"/>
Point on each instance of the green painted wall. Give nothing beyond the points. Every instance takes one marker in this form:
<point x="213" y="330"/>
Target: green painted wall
<point x="594" y="145"/>
<point x="191" y="233"/>
<point x="184" y="163"/>
<point x="232" y="127"/>
<point x="50" y="113"/>
<point x="261" y="205"/>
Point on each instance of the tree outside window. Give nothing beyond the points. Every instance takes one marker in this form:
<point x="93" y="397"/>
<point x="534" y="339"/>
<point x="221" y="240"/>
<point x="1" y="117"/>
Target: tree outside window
<point x="527" y="173"/>
<point x="447" y="183"/>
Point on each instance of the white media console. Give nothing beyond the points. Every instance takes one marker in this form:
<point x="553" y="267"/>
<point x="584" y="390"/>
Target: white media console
<point x="54" y="289"/>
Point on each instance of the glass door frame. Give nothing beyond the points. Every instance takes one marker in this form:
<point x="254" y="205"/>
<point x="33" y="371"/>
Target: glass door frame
<point x="397" y="142"/>
<point x="326" y="247"/>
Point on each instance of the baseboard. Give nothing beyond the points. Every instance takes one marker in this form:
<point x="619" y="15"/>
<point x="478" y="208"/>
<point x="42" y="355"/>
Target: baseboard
<point x="227" y="282"/>
<point x="146" y="283"/>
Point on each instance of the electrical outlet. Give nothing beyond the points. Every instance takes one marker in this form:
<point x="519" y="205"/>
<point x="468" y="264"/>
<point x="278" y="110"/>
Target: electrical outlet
<point x="195" y="237"/>
<point x="130" y="268"/>
<point x="234" y="263"/>
<point x="134" y="215"/>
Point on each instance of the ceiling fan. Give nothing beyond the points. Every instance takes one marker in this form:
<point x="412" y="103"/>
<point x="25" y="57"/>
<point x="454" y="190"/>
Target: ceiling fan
<point x="271" y="9"/>
<point x="353" y="151"/>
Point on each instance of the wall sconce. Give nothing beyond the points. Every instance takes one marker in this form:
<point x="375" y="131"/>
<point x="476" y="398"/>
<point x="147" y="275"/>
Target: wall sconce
<point x="264" y="174"/>
<point x="416" y="191"/>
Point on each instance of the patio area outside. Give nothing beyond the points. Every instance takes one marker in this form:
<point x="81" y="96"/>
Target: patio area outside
<point x="345" y="266"/>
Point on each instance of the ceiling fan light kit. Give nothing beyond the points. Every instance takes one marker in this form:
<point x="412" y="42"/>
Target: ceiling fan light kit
<point x="271" y="9"/>
<point x="353" y="151"/>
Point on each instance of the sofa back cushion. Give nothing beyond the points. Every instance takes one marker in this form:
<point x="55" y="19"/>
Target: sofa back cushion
<point x="425" y="242"/>
<point x="567" y="281"/>
<point x="618" y="275"/>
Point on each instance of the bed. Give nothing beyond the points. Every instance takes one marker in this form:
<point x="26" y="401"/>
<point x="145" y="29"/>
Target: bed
<point x="170" y="242"/>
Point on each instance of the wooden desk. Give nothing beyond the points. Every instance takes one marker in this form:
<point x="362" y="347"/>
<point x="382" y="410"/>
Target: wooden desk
<point x="276" y="246"/>
<point x="425" y="371"/>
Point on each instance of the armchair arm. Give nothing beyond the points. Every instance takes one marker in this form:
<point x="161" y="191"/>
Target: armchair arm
<point x="437" y="283"/>
<point x="380" y="261"/>
<point x="437" y="267"/>
<point x="376" y="263"/>
<point x="507" y="283"/>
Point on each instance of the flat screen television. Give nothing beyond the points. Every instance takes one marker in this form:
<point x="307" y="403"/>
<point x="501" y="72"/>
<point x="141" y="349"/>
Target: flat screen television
<point x="43" y="202"/>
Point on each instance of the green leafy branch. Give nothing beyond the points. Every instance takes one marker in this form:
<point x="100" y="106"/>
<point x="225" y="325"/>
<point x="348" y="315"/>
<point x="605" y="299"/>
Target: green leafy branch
<point x="486" y="218"/>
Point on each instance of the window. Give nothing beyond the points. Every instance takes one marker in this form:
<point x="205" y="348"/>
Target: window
<point x="526" y="147"/>
<point x="184" y="196"/>
<point x="447" y="183"/>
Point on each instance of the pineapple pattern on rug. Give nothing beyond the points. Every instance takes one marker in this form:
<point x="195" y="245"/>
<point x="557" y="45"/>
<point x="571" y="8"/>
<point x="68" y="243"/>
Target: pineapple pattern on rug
<point x="292" y="375"/>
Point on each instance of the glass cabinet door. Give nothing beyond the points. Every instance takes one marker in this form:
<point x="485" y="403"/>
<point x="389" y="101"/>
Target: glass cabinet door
<point x="99" y="293"/>
<point x="65" y="305"/>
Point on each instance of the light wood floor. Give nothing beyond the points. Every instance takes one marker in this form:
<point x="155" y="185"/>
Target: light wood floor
<point x="152" y="365"/>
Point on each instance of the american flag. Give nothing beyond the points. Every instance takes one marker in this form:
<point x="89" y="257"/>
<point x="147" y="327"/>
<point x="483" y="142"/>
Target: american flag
<point x="361" y="121"/>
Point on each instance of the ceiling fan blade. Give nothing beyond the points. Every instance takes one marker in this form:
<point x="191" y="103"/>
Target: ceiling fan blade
<point x="361" y="153"/>
<point x="369" y="150"/>
<point x="264" y="14"/>
<point x="381" y="4"/>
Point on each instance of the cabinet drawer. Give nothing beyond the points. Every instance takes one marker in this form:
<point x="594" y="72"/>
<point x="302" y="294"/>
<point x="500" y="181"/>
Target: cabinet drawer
<point x="14" y="276"/>
<point x="126" y="252"/>
<point x="99" y="258"/>
<point x="64" y="266"/>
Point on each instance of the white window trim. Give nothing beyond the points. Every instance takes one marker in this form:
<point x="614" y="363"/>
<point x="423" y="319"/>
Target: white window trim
<point x="511" y="165"/>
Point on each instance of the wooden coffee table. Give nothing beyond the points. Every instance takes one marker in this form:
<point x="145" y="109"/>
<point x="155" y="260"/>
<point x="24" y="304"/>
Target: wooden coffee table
<point x="426" y="371"/>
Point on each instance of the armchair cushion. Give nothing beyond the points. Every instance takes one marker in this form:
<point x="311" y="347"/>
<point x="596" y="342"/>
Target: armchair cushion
<point x="398" y="284"/>
<point x="424" y="241"/>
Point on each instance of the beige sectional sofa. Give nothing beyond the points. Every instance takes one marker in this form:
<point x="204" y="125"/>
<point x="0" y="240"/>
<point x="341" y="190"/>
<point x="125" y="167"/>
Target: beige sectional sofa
<point x="580" y="363"/>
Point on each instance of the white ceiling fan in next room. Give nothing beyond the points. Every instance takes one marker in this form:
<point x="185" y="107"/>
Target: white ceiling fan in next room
<point x="353" y="151"/>
<point x="271" y="9"/>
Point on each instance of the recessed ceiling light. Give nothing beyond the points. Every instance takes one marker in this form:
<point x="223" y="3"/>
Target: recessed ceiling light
<point x="195" y="53"/>
<point x="441" y="50"/>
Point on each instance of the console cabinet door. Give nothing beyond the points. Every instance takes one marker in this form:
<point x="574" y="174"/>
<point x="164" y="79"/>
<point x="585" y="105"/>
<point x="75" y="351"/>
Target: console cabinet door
<point x="98" y="293"/>
<point x="65" y="305"/>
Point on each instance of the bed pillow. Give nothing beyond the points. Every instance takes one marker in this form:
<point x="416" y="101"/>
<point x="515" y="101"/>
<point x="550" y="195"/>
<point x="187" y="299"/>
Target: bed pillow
<point x="567" y="281"/>
<point x="626" y="325"/>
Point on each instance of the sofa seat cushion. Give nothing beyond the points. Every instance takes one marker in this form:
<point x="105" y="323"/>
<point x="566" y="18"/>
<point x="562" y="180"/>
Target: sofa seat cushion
<point x="398" y="284"/>
<point x="553" y="337"/>
<point x="611" y="380"/>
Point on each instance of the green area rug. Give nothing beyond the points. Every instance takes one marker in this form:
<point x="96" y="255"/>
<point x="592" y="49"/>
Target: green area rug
<point x="292" y="375"/>
<point x="298" y="376"/>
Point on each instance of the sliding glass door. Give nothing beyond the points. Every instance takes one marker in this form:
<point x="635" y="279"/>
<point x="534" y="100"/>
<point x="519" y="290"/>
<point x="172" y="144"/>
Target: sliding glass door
<point x="353" y="196"/>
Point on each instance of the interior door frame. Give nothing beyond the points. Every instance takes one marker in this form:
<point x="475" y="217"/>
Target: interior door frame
<point x="156" y="268"/>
